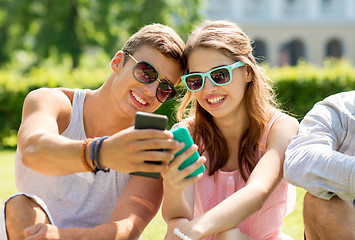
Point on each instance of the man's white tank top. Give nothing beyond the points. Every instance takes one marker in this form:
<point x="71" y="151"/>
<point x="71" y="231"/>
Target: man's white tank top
<point x="75" y="200"/>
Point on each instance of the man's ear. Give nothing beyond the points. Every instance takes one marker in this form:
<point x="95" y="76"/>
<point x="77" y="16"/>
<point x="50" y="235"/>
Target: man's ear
<point x="116" y="60"/>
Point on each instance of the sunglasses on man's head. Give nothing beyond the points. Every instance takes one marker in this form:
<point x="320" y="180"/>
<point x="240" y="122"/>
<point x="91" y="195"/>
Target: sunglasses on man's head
<point x="219" y="76"/>
<point x="145" y="73"/>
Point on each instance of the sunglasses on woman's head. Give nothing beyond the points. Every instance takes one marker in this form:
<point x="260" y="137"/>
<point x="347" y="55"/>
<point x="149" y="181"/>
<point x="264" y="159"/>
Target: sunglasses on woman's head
<point x="219" y="76"/>
<point x="145" y="73"/>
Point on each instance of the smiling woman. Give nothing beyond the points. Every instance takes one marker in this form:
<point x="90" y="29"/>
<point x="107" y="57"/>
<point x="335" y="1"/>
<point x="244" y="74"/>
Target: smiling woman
<point x="242" y="136"/>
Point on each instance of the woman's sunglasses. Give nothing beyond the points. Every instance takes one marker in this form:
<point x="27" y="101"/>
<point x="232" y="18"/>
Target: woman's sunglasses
<point x="219" y="76"/>
<point x="145" y="73"/>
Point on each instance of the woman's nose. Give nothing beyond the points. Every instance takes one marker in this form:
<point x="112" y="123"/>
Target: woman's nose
<point x="209" y="85"/>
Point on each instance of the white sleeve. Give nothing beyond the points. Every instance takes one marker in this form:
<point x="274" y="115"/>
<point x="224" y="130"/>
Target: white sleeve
<point x="313" y="161"/>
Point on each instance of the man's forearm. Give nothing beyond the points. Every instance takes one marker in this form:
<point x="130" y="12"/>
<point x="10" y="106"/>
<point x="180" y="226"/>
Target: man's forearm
<point x="321" y="171"/>
<point x="122" y="230"/>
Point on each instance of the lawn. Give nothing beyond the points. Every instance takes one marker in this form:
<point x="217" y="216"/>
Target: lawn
<point x="293" y="224"/>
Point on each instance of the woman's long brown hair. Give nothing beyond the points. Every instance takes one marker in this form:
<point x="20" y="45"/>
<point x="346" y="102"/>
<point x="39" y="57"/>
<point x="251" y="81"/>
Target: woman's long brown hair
<point x="228" y="38"/>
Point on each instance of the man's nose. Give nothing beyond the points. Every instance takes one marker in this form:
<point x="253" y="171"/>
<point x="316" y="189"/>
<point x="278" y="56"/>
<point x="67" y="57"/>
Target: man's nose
<point x="151" y="88"/>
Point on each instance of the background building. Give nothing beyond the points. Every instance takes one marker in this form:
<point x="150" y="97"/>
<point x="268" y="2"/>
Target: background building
<point x="287" y="30"/>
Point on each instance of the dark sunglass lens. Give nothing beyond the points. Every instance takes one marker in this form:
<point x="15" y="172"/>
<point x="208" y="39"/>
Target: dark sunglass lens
<point x="194" y="82"/>
<point x="220" y="76"/>
<point x="165" y="91"/>
<point x="145" y="73"/>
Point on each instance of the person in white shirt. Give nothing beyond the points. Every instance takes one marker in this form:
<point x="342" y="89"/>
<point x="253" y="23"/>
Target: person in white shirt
<point x="321" y="159"/>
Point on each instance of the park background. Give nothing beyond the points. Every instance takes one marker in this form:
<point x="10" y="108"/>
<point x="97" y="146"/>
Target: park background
<point x="70" y="44"/>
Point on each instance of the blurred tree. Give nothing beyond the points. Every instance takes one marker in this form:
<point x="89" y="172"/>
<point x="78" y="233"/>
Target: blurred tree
<point x="68" y="28"/>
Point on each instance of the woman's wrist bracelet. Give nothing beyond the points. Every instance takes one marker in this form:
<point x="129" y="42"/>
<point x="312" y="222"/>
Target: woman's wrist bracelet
<point x="182" y="236"/>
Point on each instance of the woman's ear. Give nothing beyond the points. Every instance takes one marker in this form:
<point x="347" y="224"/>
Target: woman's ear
<point x="249" y="74"/>
<point x="116" y="60"/>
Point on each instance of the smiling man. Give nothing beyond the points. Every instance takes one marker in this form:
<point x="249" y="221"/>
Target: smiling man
<point x="69" y="139"/>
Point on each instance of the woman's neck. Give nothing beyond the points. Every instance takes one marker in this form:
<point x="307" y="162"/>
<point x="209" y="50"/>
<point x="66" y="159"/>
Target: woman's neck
<point x="234" y="125"/>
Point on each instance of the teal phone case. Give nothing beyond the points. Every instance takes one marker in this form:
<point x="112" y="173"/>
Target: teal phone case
<point x="182" y="134"/>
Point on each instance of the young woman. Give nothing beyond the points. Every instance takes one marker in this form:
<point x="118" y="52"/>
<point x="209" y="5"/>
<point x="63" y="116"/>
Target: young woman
<point x="242" y="138"/>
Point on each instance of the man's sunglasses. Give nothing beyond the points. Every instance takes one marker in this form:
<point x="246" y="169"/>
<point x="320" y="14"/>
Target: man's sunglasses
<point x="219" y="76"/>
<point x="145" y="73"/>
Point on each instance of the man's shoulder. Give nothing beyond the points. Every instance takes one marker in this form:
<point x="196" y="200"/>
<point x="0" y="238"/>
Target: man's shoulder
<point x="341" y="97"/>
<point x="51" y="92"/>
<point x="343" y="102"/>
<point x="335" y="111"/>
<point x="49" y="98"/>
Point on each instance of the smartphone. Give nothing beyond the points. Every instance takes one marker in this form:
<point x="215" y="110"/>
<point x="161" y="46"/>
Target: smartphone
<point x="182" y="134"/>
<point x="145" y="120"/>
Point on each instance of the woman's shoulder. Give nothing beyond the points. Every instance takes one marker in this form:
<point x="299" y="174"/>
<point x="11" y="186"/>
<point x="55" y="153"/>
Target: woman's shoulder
<point x="188" y="122"/>
<point x="277" y="115"/>
<point x="285" y="118"/>
<point x="282" y="125"/>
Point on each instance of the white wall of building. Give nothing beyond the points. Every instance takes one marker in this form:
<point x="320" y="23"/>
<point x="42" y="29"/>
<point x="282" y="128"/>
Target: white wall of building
<point x="278" y="22"/>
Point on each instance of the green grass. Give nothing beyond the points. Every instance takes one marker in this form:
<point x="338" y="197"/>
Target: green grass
<point x="7" y="174"/>
<point x="293" y="223"/>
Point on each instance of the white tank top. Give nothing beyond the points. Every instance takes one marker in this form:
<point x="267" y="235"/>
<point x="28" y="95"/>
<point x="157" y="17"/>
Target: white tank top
<point x="76" y="200"/>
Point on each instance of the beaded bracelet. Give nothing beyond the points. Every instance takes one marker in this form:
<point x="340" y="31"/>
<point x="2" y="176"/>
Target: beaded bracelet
<point x="182" y="236"/>
<point x="83" y="155"/>
<point x="97" y="154"/>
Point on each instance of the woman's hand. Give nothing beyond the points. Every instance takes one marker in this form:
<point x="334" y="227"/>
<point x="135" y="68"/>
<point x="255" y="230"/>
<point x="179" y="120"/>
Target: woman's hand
<point x="179" y="191"/>
<point x="175" y="179"/>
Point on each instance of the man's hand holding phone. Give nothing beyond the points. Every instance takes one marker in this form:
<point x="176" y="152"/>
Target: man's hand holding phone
<point x="145" y="121"/>
<point x="129" y="150"/>
<point x="136" y="150"/>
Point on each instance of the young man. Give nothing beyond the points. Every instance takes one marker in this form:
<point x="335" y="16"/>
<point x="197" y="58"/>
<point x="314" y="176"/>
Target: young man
<point x="321" y="159"/>
<point x="60" y="133"/>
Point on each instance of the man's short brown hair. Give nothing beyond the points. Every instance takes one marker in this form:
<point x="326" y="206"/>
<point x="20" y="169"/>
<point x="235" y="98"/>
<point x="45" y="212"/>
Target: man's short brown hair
<point x="161" y="37"/>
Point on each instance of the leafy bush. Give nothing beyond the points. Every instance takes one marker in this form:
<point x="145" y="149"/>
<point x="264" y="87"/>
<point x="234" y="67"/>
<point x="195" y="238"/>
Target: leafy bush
<point x="15" y="86"/>
<point x="298" y="88"/>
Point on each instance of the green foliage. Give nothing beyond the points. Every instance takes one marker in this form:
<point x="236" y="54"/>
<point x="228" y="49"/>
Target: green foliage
<point x="299" y="87"/>
<point x="68" y="28"/>
<point x="14" y="87"/>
